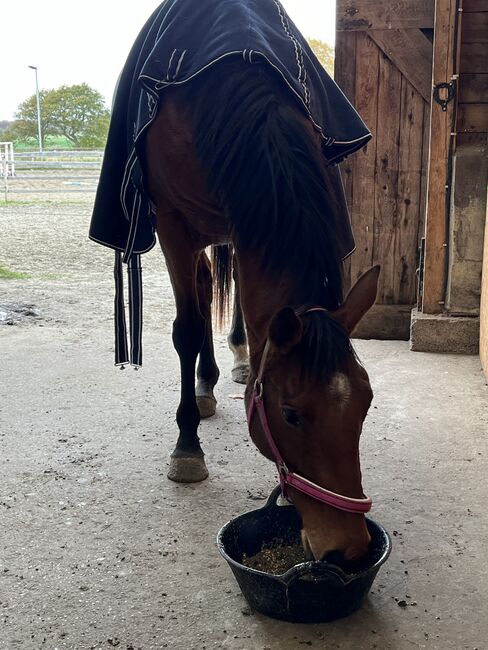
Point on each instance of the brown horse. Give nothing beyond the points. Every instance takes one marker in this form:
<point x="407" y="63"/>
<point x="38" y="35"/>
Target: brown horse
<point x="232" y="159"/>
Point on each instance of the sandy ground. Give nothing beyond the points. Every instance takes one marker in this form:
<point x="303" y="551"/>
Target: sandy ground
<point x="100" y="550"/>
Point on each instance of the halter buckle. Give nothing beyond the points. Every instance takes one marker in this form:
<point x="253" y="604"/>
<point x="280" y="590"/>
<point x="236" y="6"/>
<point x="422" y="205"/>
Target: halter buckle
<point x="282" y="469"/>
<point x="258" y="389"/>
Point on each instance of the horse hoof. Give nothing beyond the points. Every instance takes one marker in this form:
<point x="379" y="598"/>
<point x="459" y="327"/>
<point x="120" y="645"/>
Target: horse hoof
<point x="207" y="406"/>
<point x="187" y="469"/>
<point x="240" y="373"/>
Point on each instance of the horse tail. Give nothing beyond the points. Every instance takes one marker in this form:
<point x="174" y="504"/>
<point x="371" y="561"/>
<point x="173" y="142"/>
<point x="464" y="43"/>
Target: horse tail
<point x="266" y="169"/>
<point x="222" y="268"/>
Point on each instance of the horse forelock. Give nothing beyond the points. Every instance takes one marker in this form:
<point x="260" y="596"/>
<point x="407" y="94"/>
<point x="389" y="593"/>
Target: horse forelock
<point x="324" y="349"/>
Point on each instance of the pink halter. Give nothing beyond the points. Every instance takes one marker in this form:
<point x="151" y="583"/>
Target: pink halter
<point x="288" y="478"/>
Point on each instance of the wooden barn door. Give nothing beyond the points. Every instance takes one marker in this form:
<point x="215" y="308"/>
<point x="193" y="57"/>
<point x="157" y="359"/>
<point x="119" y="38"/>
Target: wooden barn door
<point x="384" y="66"/>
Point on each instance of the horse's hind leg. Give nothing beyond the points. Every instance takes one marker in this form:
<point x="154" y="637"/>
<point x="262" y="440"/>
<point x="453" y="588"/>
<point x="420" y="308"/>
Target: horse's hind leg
<point x="237" y="338"/>
<point x="207" y="370"/>
<point x="187" y="463"/>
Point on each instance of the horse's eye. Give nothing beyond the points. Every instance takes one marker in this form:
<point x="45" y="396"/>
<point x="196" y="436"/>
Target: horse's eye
<point x="291" y="416"/>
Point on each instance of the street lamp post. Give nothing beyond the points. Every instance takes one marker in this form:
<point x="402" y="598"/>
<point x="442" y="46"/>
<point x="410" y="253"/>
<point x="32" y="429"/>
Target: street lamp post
<point x="33" y="67"/>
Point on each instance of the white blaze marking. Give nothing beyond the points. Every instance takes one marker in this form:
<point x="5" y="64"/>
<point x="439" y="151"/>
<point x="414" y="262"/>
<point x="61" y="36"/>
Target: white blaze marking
<point x="341" y="387"/>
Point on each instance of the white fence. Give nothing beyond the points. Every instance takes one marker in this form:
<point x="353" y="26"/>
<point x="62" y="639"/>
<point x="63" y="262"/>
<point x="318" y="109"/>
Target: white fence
<point x="7" y="163"/>
<point x="53" y="172"/>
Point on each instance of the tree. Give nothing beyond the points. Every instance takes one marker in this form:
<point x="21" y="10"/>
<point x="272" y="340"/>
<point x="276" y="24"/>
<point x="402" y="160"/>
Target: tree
<point x="324" y="53"/>
<point x="80" y="115"/>
<point x="24" y="127"/>
<point x="76" y="112"/>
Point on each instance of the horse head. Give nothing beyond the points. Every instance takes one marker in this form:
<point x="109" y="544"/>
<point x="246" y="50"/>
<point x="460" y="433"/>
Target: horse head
<point x="313" y="395"/>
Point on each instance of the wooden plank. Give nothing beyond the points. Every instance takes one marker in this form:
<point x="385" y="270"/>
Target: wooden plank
<point x="363" y="206"/>
<point x="440" y="130"/>
<point x="474" y="58"/>
<point x="476" y="140"/>
<point x="411" y="51"/>
<point x="472" y="118"/>
<point x="386" y="185"/>
<point x="474" y="5"/>
<point x="475" y="27"/>
<point x="384" y="14"/>
<point x="385" y="322"/>
<point x="345" y="76"/>
<point x="345" y="63"/>
<point x="423" y="201"/>
<point x="473" y="88"/>
<point x="409" y="191"/>
<point x="425" y="167"/>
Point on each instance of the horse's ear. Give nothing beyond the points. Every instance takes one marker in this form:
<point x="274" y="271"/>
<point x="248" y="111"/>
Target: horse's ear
<point x="285" y="330"/>
<point x="359" y="300"/>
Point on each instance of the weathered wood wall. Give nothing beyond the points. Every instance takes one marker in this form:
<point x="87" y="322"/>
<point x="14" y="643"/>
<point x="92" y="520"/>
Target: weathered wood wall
<point x="383" y="63"/>
<point x="473" y="79"/>
<point x="473" y="118"/>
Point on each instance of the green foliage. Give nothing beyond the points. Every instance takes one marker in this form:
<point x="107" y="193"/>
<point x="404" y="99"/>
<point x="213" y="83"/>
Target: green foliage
<point x="24" y="128"/>
<point x="6" y="274"/>
<point x="324" y="53"/>
<point x="75" y="113"/>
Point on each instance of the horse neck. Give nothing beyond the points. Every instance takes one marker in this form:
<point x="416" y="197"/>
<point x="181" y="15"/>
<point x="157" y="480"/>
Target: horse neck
<point x="262" y="296"/>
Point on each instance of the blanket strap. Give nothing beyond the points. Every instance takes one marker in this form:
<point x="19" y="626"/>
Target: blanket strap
<point x="122" y="356"/>
<point x="121" y="350"/>
<point x="135" y="309"/>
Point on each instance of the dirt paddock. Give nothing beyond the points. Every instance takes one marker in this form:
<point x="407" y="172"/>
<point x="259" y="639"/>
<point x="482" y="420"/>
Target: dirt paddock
<point x="100" y="550"/>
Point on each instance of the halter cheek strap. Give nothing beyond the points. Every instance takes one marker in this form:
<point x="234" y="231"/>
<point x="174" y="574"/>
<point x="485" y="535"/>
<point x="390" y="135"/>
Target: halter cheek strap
<point x="288" y="478"/>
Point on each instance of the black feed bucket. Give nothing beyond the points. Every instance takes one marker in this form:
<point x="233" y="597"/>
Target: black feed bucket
<point x="310" y="592"/>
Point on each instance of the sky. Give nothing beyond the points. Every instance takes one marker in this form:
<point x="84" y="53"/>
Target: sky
<point x="72" y="43"/>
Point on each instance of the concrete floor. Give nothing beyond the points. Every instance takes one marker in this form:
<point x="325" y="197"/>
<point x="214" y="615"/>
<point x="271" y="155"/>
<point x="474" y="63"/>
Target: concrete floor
<point x="100" y="550"/>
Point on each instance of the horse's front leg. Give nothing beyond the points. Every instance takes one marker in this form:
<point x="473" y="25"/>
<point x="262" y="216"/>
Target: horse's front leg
<point x="187" y="463"/>
<point x="237" y="338"/>
<point x="207" y="370"/>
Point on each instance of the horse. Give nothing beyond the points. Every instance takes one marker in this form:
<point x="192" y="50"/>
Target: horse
<point x="231" y="160"/>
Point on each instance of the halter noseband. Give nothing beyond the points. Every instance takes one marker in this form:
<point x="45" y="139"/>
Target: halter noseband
<point x="288" y="478"/>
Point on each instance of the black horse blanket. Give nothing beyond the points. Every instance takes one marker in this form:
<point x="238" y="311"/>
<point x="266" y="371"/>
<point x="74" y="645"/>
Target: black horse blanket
<point x="181" y="39"/>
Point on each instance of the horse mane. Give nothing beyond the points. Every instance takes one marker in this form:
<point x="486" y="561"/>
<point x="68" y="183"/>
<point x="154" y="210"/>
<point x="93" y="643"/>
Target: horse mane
<point x="268" y="172"/>
<point x="324" y="348"/>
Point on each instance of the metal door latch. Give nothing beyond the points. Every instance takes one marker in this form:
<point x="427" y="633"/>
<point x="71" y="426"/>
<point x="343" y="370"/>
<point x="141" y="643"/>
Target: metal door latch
<point x="449" y="92"/>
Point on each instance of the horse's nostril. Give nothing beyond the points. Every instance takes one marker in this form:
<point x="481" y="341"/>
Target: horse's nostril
<point x="334" y="557"/>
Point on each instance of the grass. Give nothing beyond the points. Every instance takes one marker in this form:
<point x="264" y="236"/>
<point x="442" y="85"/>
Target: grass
<point x="50" y="143"/>
<point x="14" y="202"/>
<point x="7" y="274"/>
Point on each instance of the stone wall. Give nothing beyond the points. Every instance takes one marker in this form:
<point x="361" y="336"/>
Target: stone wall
<point x="467" y="226"/>
<point x="484" y="308"/>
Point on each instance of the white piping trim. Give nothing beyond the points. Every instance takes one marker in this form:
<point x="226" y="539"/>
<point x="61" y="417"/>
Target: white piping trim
<point x="136" y="213"/>
<point x="161" y="84"/>
<point x="163" y="24"/>
<point x="169" y="65"/>
<point x="302" y="72"/>
<point x="179" y="63"/>
<point x="117" y="248"/>
<point x="126" y="179"/>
